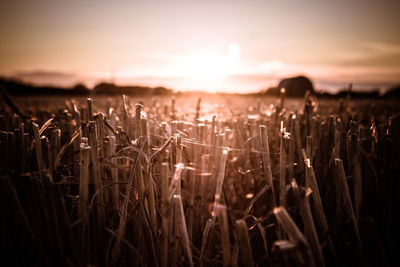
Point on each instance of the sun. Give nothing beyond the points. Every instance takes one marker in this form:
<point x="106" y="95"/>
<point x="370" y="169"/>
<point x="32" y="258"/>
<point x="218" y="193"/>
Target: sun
<point x="204" y="66"/>
<point x="209" y="70"/>
<point x="233" y="54"/>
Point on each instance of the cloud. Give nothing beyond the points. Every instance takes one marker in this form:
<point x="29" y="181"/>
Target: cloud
<point x="380" y="48"/>
<point x="372" y="54"/>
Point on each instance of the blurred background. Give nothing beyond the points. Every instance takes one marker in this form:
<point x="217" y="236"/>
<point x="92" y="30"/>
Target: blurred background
<point x="214" y="46"/>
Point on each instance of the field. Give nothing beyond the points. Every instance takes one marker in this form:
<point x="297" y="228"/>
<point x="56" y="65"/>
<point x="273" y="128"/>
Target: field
<point x="205" y="181"/>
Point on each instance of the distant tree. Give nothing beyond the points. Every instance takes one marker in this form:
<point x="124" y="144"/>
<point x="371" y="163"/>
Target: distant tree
<point x="393" y="92"/>
<point x="161" y="91"/>
<point x="80" y="89"/>
<point x="271" y="91"/>
<point x="296" y="86"/>
<point x="106" y="88"/>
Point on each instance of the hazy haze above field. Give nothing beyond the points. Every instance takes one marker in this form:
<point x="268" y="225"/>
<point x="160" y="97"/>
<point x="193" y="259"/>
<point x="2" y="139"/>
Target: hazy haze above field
<point x="210" y="45"/>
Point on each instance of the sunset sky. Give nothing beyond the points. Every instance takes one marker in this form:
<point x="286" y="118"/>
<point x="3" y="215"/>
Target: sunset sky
<point x="205" y="45"/>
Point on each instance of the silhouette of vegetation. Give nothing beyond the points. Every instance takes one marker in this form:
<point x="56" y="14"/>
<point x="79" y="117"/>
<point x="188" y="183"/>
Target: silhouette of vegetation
<point x="354" y="95"/>
<point x="16" y="87"/>
<point x="296" y="86"/>
<point x="393" y="93"/>
<point x="112" y="89"/>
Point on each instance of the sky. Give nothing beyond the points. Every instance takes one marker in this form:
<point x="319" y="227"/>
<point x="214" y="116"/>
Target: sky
<point x="220" y="45"/>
